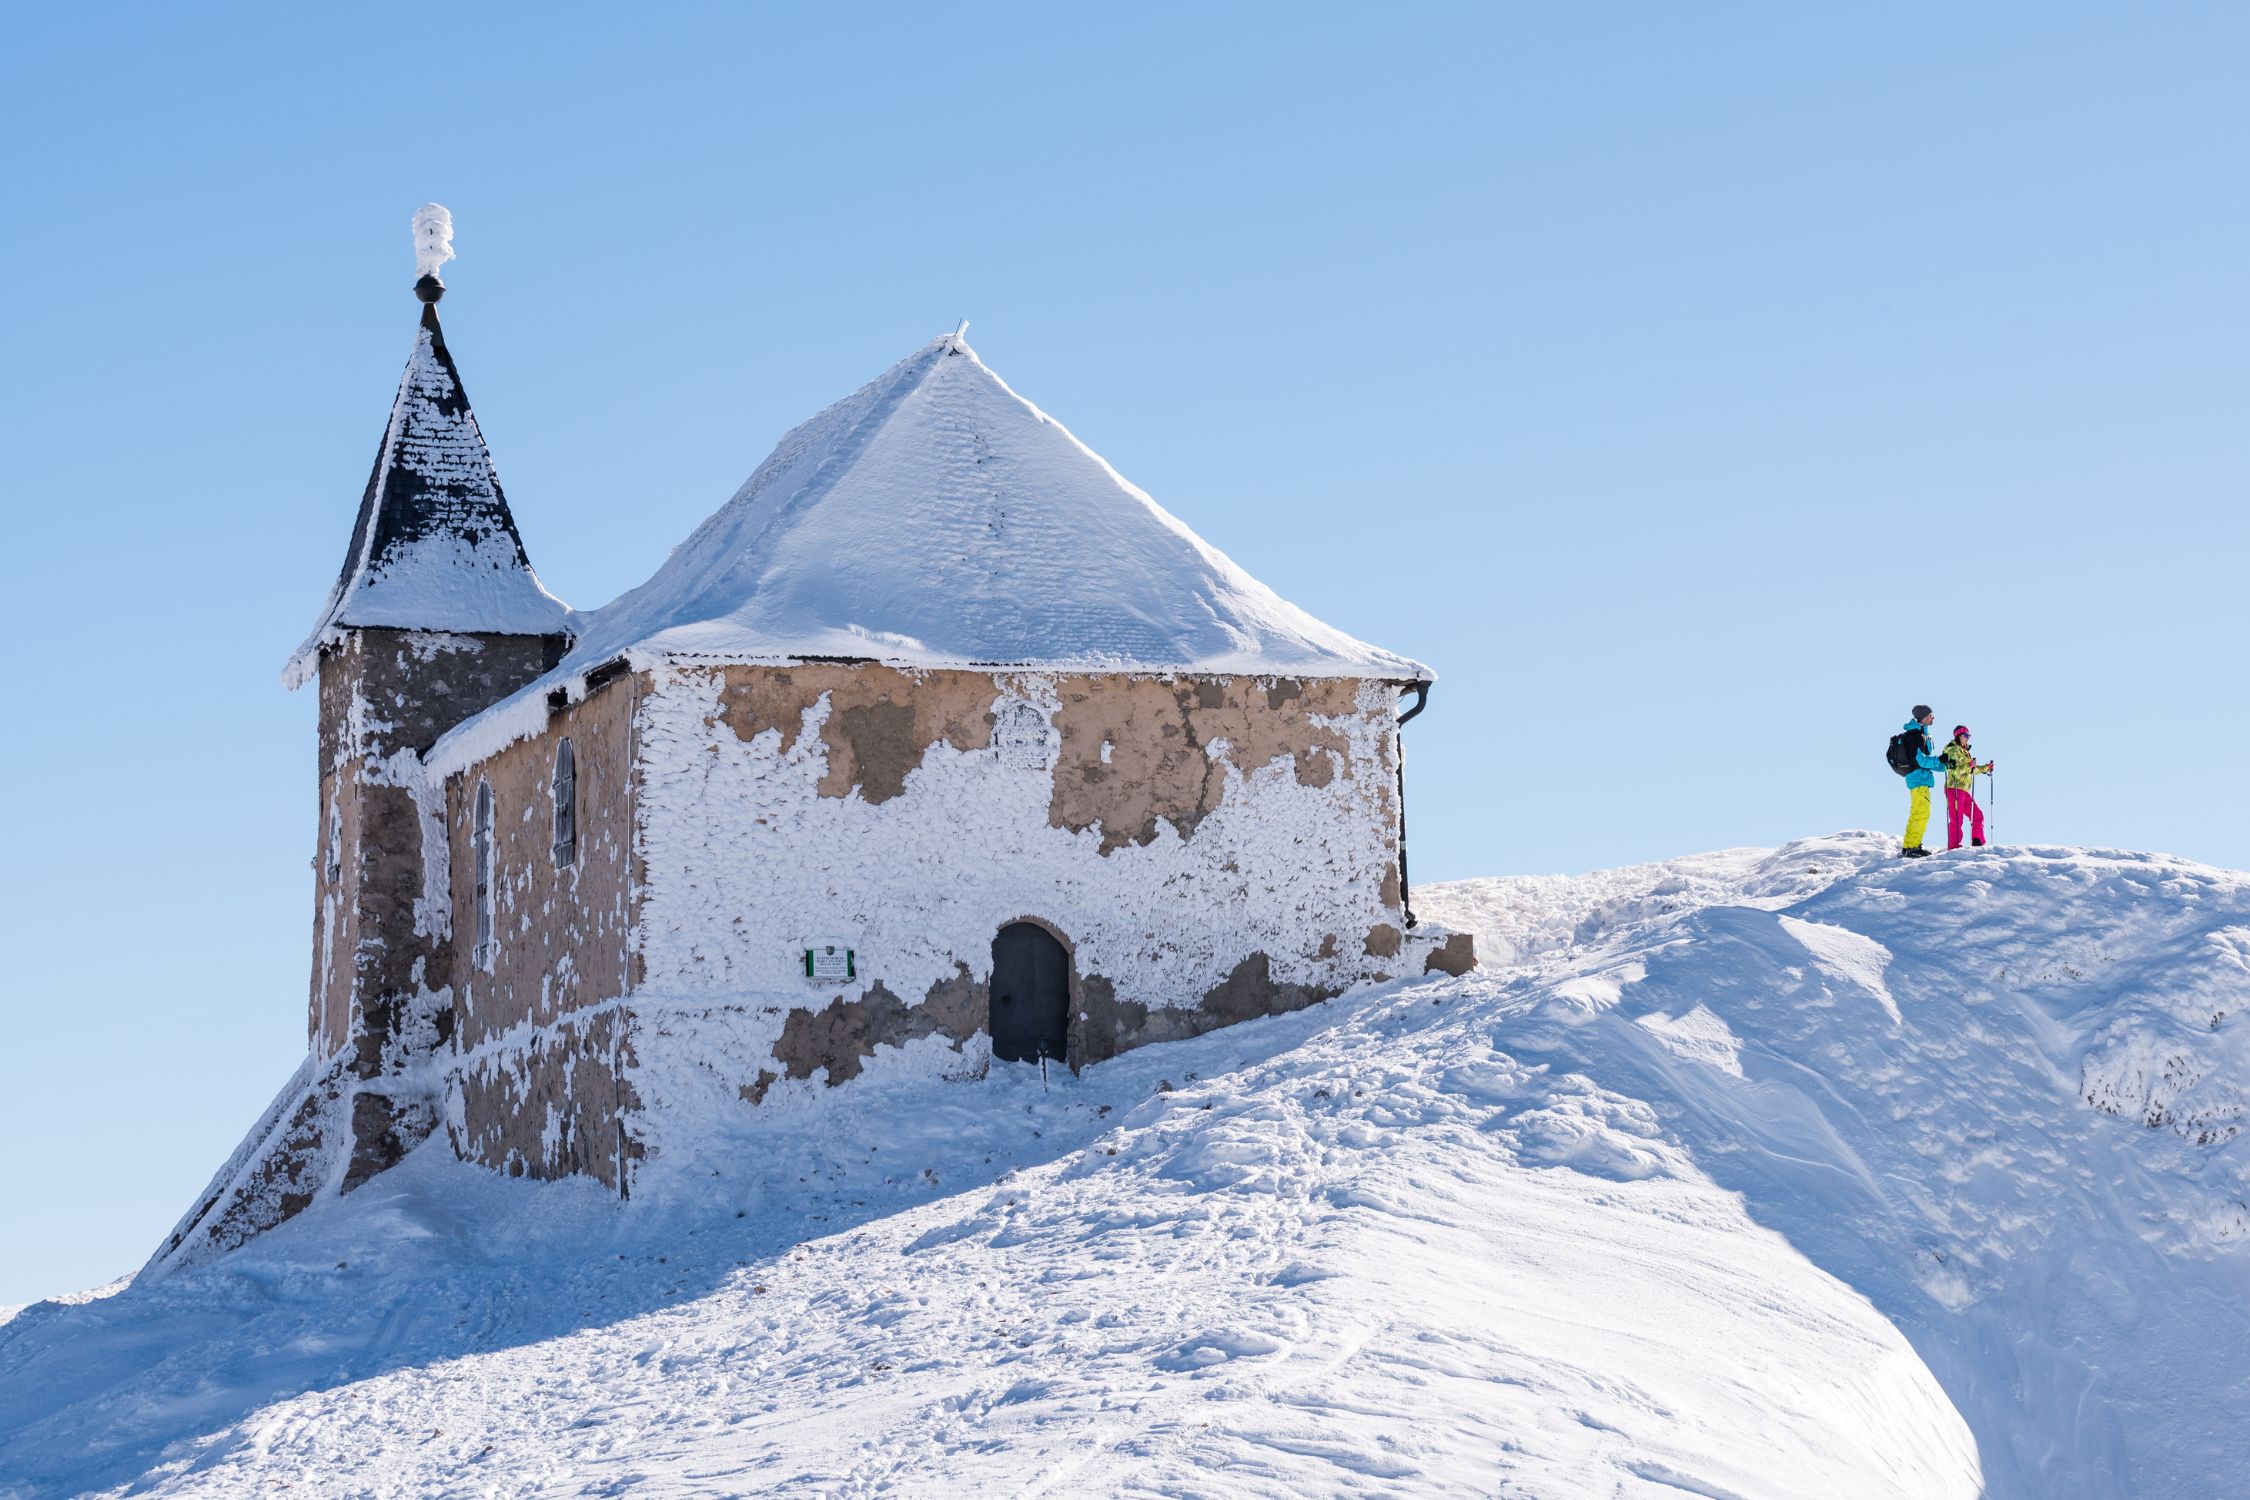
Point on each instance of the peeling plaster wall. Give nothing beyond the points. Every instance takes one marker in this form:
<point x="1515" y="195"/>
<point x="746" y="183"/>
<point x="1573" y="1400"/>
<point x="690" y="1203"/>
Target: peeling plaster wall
<point x="336" y="917"/>
<point x="381" y="1005"/>
<point x="1207" y="849"/>
<point x="549" y="1101"/>
<point x="1141" y="752"/>
<point x="535" y="1089"/>
<point x="559" y="932"/>
<point x="385" y="696"/>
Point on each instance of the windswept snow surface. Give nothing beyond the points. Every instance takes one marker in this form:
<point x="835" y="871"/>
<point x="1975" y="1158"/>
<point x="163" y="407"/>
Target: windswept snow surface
<point x="1674" y="1205"/>
<point x="1998" y="1092"/>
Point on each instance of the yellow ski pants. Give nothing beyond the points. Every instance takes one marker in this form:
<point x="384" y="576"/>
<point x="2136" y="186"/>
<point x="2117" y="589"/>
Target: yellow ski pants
<point x="1917" y="815"/>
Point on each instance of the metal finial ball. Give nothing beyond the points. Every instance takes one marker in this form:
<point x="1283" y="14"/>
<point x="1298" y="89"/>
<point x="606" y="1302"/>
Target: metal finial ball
<point x="429" y="289"/>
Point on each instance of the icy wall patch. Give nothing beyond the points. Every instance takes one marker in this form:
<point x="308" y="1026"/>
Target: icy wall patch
<point x="754" y="848"/>
<point x="1205" y="849"/>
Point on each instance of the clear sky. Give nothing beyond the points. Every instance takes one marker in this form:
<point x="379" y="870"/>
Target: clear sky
<point x="1695" y="387"/>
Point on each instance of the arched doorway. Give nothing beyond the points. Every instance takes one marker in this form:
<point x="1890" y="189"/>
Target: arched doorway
<point x="1030" y="994"/>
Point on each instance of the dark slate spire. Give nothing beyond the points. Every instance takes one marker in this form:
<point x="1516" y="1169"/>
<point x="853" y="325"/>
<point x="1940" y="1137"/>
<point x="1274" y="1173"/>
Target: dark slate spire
<point x="434" y="546"/>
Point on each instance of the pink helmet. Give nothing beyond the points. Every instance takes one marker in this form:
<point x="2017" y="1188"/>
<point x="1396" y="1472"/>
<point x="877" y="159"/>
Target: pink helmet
<point x="1960" y="731"/>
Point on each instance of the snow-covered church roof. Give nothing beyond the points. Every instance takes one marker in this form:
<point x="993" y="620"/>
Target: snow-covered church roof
<point x="935" y="518"/>
<point x="434" y="547"/>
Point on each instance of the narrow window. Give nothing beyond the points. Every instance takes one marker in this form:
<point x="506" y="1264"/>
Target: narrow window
<point x="481" y="840"/>
<point x="566" y="805"/>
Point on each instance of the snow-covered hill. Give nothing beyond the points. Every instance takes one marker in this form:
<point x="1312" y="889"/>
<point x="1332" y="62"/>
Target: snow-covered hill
<point x="1792" y="1173"/>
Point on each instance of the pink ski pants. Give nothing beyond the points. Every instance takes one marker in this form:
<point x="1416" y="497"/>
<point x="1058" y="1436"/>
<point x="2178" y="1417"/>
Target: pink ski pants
<point x="1961" y="803"/>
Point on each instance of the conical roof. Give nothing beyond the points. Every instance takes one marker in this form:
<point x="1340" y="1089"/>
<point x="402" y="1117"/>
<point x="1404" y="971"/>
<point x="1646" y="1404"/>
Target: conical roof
<point x="934" y="518"/>
<point x="434" y="547"/>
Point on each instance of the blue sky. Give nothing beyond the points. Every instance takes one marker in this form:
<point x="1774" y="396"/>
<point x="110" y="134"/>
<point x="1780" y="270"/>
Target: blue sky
<point x="1694" y="387"/>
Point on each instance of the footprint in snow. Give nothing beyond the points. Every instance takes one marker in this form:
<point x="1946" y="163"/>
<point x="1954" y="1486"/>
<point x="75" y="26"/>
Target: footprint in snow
<point x="1216" y="1349"/>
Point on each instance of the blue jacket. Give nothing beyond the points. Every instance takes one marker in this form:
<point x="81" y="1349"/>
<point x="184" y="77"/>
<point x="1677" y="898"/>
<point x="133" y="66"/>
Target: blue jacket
<point x="1928" y="763"/>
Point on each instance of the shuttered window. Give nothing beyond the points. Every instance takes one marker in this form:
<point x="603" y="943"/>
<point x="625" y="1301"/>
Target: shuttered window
<point x="481" y="841"/>
<point x="566" y="805"/>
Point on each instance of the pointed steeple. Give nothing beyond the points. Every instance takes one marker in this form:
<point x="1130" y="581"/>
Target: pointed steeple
<point x="434" y="546"/>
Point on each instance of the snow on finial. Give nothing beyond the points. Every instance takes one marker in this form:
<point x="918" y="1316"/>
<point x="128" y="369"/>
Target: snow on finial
<point x="957" y="342"/>
<point x="433" y="239"/>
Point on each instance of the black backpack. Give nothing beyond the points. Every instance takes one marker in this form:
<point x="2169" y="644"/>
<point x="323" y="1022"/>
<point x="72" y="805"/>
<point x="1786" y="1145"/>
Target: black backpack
<point x="1904" y="745"/>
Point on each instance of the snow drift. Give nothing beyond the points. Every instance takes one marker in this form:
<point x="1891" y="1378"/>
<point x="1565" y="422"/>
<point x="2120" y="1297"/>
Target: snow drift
<point x="1791" y="1173"/>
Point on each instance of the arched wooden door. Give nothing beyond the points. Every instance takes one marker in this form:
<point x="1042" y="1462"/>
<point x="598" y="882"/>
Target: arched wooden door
<point x="1030" y="994"/>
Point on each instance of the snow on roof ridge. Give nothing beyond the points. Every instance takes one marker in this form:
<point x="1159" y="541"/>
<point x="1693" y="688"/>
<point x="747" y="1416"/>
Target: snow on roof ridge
<point x="1102" y="574"/>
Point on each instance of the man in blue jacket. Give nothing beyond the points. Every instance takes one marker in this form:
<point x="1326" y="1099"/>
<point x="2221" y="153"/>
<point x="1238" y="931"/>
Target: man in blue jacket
<point x="1919" y="781"/>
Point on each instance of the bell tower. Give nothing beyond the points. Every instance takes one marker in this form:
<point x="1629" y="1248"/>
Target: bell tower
<point x="435" y="616"/>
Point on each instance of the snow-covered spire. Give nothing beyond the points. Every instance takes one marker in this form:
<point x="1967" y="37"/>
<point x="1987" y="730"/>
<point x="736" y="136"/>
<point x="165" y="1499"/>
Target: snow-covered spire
<point x="434" y="546"/>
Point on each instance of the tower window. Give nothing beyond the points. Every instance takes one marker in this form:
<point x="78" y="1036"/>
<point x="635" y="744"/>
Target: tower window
<point x="566" y="805"/>
<point x="481" y="841"/>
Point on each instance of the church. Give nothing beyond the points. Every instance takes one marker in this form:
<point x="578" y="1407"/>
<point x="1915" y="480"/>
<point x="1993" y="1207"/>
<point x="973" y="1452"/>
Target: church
<point x="939" y="748"/>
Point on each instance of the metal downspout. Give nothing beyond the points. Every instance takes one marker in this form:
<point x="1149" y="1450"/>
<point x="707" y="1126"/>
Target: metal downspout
<point x="1405" y="892"/>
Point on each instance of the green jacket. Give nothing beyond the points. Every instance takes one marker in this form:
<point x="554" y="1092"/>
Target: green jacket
<point x="1960" y="767"/>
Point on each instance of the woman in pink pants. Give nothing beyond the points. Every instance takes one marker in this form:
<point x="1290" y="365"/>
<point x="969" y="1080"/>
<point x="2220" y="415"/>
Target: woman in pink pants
<point x="1961" y="770"/>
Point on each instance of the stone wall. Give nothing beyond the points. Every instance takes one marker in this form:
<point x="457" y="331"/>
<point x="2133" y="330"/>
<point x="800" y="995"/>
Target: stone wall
<point x="536" y="1090"/>
<point x="380" y="1012"/>
<point x="414" y="685"/>
<point x="376" y="936"/>
<point x="1207" y="849"/>
<point x="552" y="1101"/>
<point x="1137" y="752"/>
<point x="383" y="955"/>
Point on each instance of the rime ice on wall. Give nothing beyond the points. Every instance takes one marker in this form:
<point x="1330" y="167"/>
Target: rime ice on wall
<point x="1207" y="850"/>
<point x="538" y="1027"/>
<point x="381" y="1008"/>
<point x="749" y="858"/>
<point x="380" y="924"/>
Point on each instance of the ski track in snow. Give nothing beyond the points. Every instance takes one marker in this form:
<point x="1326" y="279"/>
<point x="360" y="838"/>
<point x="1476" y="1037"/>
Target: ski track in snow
<point x="1764" y="1173"/>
